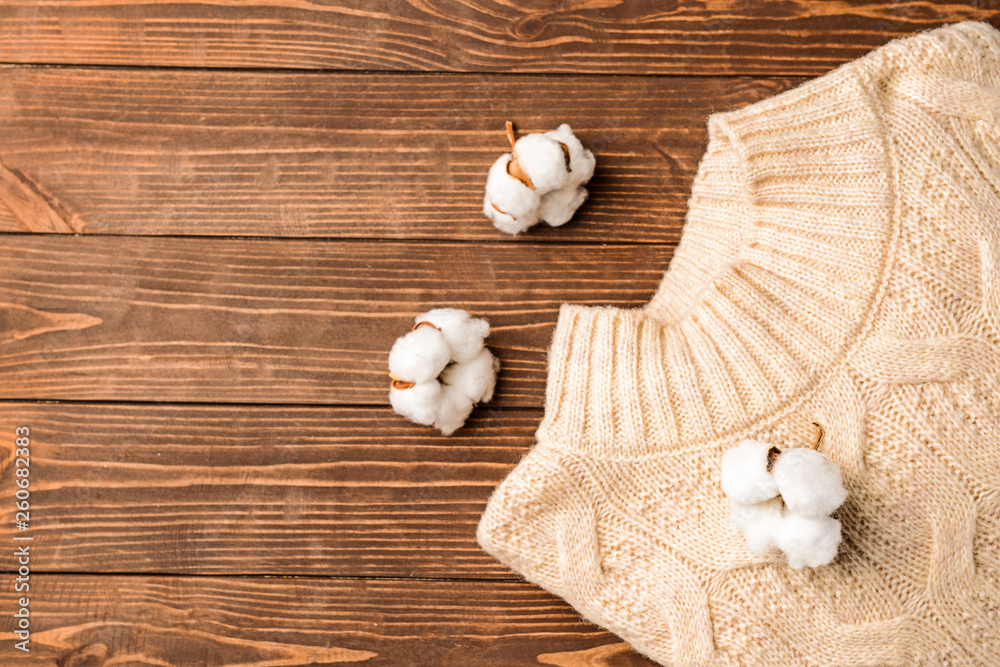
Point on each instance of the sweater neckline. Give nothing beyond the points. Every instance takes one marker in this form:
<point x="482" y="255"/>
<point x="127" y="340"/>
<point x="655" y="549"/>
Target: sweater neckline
<point x="782" y="262"/>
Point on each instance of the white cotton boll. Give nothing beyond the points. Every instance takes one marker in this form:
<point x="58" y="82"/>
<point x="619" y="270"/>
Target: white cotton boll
<point x="463" y="333"/>
<point x="581" y="161"/>
<point x="475" y="378"/>
<point x="543" y="160"/>
<point x="452" y="410"/>
<point x="759" y="523"/>
<point x="508" y="193"/>
<point x="809" y="482"/>
<point x="809" y="540"/>
<point x="446" y="344"/>
<point x="507" y="223"/>
<point x="509" y="203"/>
<point x="745" y="478"/>
<point x="557" y="207"/>
<point x="420" y="355"/>
<point x="419" y="403"/>
<point x="549" y="171"/>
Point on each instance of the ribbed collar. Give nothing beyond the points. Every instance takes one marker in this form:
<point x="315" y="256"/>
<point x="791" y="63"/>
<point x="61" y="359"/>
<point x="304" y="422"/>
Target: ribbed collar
<point x="782" y="261"/>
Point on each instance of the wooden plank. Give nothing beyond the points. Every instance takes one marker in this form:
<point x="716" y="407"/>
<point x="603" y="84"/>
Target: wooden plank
<point x="714" y="37"/>
<point x="280" y="321"/>
<point x="253" y="622"/>
<point x="257" y="490"/>
<point x="348" y="156"/>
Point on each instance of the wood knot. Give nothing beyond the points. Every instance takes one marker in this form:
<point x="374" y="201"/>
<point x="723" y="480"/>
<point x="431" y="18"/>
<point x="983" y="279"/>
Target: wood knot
<point x="528" y="27"/>
<point x="91" y="655"/>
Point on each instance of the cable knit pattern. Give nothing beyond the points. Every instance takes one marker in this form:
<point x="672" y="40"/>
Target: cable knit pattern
<point x="839" y="264"/>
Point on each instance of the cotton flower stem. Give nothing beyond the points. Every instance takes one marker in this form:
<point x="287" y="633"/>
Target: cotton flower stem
<point x="819" y="435"/>
<point x="511" y="136"/>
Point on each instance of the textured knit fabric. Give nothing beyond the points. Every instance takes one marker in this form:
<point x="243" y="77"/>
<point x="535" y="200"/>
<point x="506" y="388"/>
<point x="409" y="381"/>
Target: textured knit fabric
<point x="839" y="264"/>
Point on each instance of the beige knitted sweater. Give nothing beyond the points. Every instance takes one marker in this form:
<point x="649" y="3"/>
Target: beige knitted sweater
<point x="839" y="264"/>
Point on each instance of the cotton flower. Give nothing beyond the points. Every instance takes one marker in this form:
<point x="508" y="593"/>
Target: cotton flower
<point x="420" y="355"/>
<point x="418" y="403"/>
<point x="809" y="482"/>
<point x="581" y="161"/>
<point x="746" y="474"/>
<point x="509" y="203"/>
<point x="473" y="378"/>
<point x="463" y="334"/>
<point x="540" y="180"/>
<point x="782" y="499"/>
<point x="558" y="206"/>
<point x="545" y="160"/>
<point x="453" y="409"/>
<point x="808" y="540"/>
<point x="760" y="523"/>
<point x="441" y="369"/>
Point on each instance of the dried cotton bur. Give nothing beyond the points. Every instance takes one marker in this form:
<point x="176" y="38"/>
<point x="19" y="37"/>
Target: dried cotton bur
<point x="541" y="179"/>
<point x="442" y="369"/>
<point x="782" y="500"/>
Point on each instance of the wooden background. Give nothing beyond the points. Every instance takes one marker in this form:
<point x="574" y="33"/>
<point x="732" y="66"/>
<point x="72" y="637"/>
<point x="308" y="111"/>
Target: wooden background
<point x="217" y="217"/>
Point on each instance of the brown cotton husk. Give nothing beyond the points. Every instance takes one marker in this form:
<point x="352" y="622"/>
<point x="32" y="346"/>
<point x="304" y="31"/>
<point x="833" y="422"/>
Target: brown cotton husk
<point x="514" y="169"/>
<point x="565" y="150"/>
<point x="501" y="211"/>
<point x="400" y="383"/>
<point x="425" y="324"/>
<point x="772" y="457"/>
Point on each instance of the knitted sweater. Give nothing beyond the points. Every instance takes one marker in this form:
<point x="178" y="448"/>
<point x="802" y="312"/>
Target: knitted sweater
<point x="839" y="264"/>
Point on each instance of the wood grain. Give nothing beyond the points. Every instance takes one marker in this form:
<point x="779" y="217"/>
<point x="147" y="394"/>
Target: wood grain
<point x="678" y="37"/>
<point x="205" y="267"/>
<point x="347" y="156"/>
<point x="31" y="207"/>
<point x="257" y="490"/>
<point x="285" y="622"/>
<point x="280" y="321"/>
